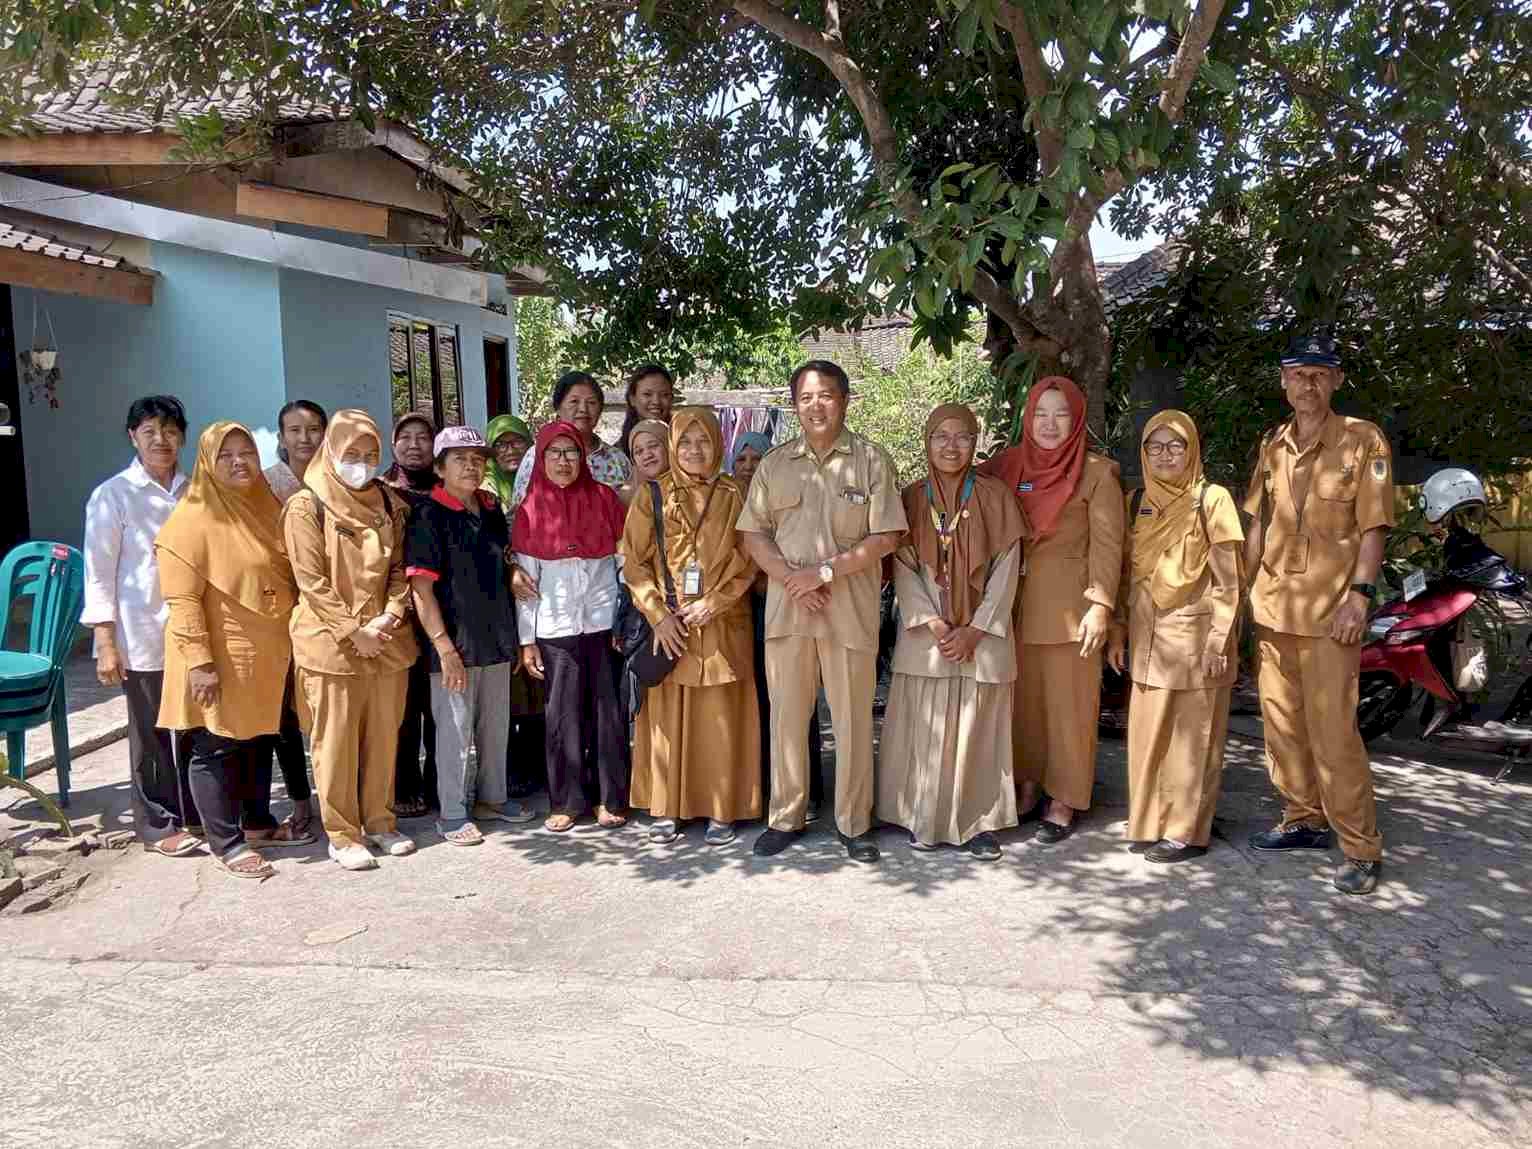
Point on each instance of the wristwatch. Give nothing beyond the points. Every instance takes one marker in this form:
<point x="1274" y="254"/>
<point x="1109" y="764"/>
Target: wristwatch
<point x="826" y="572"/>
<point x="1365" y="589"/>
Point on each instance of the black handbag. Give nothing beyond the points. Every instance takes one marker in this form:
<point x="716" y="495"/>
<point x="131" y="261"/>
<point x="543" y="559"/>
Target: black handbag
<point x="647" y="665"/>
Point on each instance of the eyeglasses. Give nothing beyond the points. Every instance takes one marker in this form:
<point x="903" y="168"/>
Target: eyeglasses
<point x="1155" y="450"/>
<point x="963" y="439"/>
<point x="566" y="454"/>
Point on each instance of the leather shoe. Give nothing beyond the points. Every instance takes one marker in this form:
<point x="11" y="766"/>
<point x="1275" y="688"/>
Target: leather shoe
<point x="859" y="849"/>
<point x="1051" y="833"/>
<point x="984" y="846"/>
<point x="773" y="842"/>
<point x="1166" y="852"/>
<point x="1354" y="876"/>
<point x="1294" y="837"/>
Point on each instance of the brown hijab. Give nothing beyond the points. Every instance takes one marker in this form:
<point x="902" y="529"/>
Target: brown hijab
<point x="353" y="508"/>
<point x="232" y="538"/>
<point x="959" y="525"/>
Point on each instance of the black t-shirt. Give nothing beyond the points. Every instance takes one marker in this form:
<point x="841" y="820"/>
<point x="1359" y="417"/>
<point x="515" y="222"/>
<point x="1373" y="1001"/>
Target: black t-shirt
<point x="465" y="554"/>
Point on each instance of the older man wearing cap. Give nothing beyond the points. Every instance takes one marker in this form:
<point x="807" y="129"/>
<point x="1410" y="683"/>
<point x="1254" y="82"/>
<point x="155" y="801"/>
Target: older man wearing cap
<point x="1322" y="501"/>
<point x="456" y="559"/>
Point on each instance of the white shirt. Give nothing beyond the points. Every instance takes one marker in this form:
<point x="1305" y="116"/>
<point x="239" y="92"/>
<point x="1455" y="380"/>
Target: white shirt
<point x="122" y="580"/>
<point x="575" y="596"/>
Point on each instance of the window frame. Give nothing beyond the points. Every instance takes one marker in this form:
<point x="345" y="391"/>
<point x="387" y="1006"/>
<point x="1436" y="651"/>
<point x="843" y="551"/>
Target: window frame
<point x="437" y="329"/>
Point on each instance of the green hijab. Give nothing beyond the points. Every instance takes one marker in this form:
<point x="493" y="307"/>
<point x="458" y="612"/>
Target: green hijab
<point x="497" y="480"/>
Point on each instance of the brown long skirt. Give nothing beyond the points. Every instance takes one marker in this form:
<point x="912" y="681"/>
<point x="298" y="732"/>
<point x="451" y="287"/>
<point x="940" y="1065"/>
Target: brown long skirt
<point x="1175" y="762"/>
<point x="697" y="752"/>
<point x="1058" y="704"/>
<point x="944" y="773"/>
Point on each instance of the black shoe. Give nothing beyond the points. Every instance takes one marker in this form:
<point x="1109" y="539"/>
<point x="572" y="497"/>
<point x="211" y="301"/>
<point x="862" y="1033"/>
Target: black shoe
<point x="859" y="849"/>
<point x="1354" y="876"/>
<point x="773" y="842"/>
<point x="984" y="846"/>
<point x="1294" y="837"/>
<point x="1166" y="852"/>
<point x="1051" y="833"/>
<point x="1141" y="847"/>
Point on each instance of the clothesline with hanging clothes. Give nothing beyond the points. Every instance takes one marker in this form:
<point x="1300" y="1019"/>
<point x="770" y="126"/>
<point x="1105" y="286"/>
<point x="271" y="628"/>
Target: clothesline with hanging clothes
<point x="737" y="421"/>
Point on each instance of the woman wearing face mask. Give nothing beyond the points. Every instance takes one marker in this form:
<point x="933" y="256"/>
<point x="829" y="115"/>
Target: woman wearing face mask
<point x="225" y="576"/>
<point x="352" y="649"/>
<point x="945" y="771"/>
<point x="1072" y="500"/>
<point x="565" y="538"/>
<point x="650" y="396"/>
<point x="695" y="751"/>
<point x="1177" y="612"/>
<point x="300" y="430"/>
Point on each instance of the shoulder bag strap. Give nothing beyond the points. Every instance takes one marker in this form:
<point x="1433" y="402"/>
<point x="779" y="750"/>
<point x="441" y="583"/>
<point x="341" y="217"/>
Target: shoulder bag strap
<point x="659" y="543"/>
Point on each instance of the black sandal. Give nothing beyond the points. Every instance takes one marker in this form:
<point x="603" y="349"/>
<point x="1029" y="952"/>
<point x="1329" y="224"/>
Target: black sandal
<point x="1051" y="833"/>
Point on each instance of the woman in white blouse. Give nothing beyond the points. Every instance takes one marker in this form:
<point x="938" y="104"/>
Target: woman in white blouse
<point x="565" y="539"/>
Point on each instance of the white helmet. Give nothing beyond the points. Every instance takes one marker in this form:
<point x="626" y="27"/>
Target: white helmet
<point x="1451" y="490"/>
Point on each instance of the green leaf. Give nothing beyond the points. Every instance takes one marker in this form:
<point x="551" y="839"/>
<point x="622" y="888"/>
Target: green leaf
<point x="1027" y="204"/>
<point x="1219" y="75"/>
<point x="1101" y="27"/>
<point x="967" y="29"/>
<point x="1081" y="138"/>
<point x="954" y="169"/>
<point x="646" y="10"/>
<point x="1082" y="101"/>
<point x="975" y="250"/>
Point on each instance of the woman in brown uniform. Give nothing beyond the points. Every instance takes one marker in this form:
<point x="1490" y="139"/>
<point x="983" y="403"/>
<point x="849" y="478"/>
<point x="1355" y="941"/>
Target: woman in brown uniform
<point x="695" y="753"/>
<point x="1177" y="610"/>
<point x="1073" y="503"/>
<point x="226" y="579"/>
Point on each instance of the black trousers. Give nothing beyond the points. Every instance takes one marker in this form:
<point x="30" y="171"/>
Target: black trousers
<point x="287" y="746"/>
<point x="586" y="732"/>
<point x="158" y="761"/>
<point x="231" y="785"/>
<point x="412" y="781"/>
<point x="816" y="740"/>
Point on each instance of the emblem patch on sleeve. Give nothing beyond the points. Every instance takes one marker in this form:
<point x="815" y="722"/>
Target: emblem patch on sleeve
<point x="1380" y="469"/>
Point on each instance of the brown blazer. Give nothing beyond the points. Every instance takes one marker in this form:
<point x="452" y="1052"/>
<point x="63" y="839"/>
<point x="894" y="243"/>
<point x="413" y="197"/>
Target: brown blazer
<point x="1076" y="565"/>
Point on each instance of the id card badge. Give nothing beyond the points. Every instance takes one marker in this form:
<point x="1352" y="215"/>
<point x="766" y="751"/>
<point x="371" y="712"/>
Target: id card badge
<point x="691" y="580"/>
<point x="1296" y="558"/>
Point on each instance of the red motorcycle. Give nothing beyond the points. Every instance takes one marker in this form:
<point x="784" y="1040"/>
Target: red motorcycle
<point x="1409" y="650"/>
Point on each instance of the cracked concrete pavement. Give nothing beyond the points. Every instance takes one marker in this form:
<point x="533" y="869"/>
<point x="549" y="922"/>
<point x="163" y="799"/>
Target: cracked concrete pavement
<point x="596" y="990"/>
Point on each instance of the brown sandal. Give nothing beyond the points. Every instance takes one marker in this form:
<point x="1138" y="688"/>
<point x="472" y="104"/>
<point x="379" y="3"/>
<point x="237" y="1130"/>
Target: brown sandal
<point x="289" y="833"/>
<point x="558" y="823"/>
<point x="608" y="820"/>
<point x="247" y="864"/>
<point x="175" y="846"/>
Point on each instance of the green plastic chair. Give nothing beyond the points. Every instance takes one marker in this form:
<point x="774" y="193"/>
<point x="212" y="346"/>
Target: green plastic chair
<point x="32" y="681"/>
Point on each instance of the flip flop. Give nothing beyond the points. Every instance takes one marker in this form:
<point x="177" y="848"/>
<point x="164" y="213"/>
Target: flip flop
<point x="558" y="823"/>
<point x="176" y="845"/>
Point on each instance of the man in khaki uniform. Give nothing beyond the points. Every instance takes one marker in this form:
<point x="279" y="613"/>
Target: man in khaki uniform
<point x="1321" y="501"/>
<point x="820" y="515"/>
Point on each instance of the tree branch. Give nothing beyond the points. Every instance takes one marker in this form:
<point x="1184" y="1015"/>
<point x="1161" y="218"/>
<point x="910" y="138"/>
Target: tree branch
<point x="1035" y="77"/>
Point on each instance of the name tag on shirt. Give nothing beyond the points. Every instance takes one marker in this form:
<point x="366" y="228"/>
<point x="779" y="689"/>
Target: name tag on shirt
<point x="1145" y="512"/>
<point x="1023" y="488"/>
<point x="852" y="495"/>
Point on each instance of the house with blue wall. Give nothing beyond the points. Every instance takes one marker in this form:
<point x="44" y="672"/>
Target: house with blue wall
<point x="333" y="266"/>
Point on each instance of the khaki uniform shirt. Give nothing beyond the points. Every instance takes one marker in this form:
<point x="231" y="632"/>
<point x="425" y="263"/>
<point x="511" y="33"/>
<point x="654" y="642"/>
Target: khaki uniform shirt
<point x="1079" y="563"/>
<point x="346" y="578"/>
<point x="815" y="510"/>
<point x="1316" y="505"/>
<point x="1166" y="647"/>
<point x="917" y="652"/>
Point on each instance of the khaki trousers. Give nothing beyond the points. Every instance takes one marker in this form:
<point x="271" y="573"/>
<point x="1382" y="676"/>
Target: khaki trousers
<point x="795" y="666"/>
<point x="1313" y="749"/>
<point x="1058" y="707"/>
<point x="353" y="734"/>
<point x="1175" y="762"/>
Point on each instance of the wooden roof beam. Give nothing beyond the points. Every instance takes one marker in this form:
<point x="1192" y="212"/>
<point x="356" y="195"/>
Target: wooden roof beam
<point x="264" y="201"/>
<point x="71" y="277"/>
<point x="93" y="148"/>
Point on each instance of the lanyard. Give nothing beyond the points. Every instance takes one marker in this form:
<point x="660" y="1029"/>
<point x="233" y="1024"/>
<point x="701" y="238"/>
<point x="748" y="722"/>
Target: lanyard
<point x="944" y="531"/>
<point x="702" y="518"/>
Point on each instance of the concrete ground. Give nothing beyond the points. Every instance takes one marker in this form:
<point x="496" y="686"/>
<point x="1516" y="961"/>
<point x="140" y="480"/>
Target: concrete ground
<point x="592" y="989"/>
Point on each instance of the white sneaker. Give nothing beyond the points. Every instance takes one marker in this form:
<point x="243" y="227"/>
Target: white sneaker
<point x="394" y="845"/>
<point x="354" y="857"/>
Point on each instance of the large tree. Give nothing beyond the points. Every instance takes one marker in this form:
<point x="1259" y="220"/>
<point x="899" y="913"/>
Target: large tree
<point x="694" y="173"/>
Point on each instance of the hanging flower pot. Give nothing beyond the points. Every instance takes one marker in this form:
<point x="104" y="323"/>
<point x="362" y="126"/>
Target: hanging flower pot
<point x="39" y="366"/>
<point x="44" y="358"/>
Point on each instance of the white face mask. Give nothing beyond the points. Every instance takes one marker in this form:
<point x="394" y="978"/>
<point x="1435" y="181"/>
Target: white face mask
<point x="355" y="475"/>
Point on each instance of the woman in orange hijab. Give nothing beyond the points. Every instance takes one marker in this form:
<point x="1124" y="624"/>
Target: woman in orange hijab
<point x="226" y="579"/>
<point x="353" y="651"/>
<point x="1180" y="602"/>
<point x="1073" y="503"/>
<point x="945" y="773"/>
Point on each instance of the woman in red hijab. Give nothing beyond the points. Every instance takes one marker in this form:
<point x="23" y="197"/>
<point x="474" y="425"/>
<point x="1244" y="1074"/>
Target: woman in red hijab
<point x="565" y="539"/>
<point x="1073" y="502"/>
